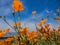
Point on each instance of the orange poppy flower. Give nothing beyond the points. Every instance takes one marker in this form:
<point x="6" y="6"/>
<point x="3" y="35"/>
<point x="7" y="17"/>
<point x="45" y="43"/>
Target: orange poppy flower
<point x="39" y="24"/>
<point x="16" y="37"/>
<point x="58" y="33"/>
<point x="57" y="18"/>
<point x="9" y="40"/>
<point x="52" y="39"/>
<point x="58" y="27"/>
<point x="14" y="25"/>
<point x="48" y="32"/>
<point x="58" y="42"/>
<point x="47" y="26"/>
<point x="0" y="30"/>
<point x="7" y="30"/>
<point x="54" y="30"/>
<point x="2" y="43"/>
<point x="42" y="30"/>
<point x="18" y="24"/>
<point x="35" y="40"/>
<point x="34" y="12"/>
<point x="45" y="34"/>
<point x="17" y="6"/>
<point x="30" y="34"/>
<point x="44" y="21"/>
<point x="21" y="30"/>
<point x="26" y="29"/>
<point x="44" y="38"/>
<point x="2" y="34"/>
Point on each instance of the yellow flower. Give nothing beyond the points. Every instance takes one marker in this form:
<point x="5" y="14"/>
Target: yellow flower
<point x="34" y="12"/>
<point x="17" y="6"/>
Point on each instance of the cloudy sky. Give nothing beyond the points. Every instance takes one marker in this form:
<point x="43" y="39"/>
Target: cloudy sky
<point x="43" y="8"/>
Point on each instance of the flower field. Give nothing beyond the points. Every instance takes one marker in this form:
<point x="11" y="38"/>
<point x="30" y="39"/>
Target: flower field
<point x="44" y="34"/>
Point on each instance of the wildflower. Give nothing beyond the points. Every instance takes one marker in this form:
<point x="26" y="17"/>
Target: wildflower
<point x="39" y="24"/>
<point x="57" y="18"/>
<point x="45" y="34"/>
<point x="0" y="30"/>
<point x="16" y="37"/>
<point x="52" y="39"/>
<point x="2" y="43"/>
<point x="49" y="32"/>
<point x="44" y="21"/>
<point x="21" y="30"/>
<point x="58" y="27"/>
<point x="35" y="40"/>
<point x="30" y="34"/>
<point x="36" y="35"/>
<point x="34" y="12"/>
<point x="26" y="29"/>
<point x="14" y="25"/>
<point x="2" y="34"/>
<point x="18" y="24"/>
<point x="58" y="33"/>
<point x="58" y="42"/>
<point x="7" y="30"/>
<point x="17" y="6"/>
<point x="44" y="38"/>
<point x="47" y="26"/>
<point x="42" y="30"/>
<point x="9" y="39"/>
<point x="54" y="30"/>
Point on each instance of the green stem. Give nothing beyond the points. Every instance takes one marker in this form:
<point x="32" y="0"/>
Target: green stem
<point x="8" y="24"/>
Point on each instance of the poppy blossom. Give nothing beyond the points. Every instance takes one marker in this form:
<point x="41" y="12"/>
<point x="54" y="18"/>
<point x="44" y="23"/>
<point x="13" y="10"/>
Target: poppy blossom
<point x="34" y="12"/>
<point x="17" y="6"/>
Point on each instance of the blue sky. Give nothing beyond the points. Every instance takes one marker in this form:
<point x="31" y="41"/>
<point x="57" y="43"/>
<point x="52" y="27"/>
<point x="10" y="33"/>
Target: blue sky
<point x="42" y="7"/>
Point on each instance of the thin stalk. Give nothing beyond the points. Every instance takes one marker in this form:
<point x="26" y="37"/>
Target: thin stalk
<point x="19" y="19"/>
<point x="8" y="24"/>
